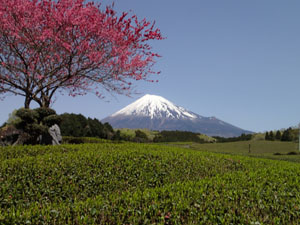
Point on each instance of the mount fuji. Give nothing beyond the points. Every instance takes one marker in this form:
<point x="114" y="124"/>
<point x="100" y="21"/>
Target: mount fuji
<point x="157" y="113"/>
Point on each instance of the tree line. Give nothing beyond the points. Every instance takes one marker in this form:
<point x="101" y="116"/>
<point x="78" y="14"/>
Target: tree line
<point x="242" y="137"/>
<point x="285" y="135"/>
<point x="77" y="125"/>
<point x="177" y="136"/>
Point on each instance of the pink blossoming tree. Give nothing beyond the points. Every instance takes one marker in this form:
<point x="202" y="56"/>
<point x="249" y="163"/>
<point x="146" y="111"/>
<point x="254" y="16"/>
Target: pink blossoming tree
<point x="50" y="46"/>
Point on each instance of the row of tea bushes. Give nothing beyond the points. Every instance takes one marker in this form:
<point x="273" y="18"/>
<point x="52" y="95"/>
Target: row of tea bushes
<point x="143" y="184"/>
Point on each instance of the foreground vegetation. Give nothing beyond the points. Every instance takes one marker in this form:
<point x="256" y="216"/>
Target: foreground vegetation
<point x="143" y="184"/>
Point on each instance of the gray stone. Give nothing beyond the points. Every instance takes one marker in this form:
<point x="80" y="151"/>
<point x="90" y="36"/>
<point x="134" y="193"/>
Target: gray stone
<point x="54" y="132"/>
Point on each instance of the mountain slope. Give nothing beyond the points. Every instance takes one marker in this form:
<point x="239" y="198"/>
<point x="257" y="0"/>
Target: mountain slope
<point x="157" y="113"/>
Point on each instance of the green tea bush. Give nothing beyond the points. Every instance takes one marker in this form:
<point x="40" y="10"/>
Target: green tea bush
<point x="129" y="183"/>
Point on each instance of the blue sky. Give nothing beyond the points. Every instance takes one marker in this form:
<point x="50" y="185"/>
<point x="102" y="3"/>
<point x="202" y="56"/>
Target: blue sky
<point x="236" y="60"/>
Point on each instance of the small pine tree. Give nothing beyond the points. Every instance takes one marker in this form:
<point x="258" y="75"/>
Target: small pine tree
<point x="271" y="136"/>
<point x="140" y="136"/>
<point x="117" y="136"/>
<point x="278" y="135"/>
<point x="267" y="136"/>
<point x="287" y="136"/>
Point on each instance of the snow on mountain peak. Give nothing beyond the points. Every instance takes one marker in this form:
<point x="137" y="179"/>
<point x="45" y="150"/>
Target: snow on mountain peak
<point x="154" y="106"/>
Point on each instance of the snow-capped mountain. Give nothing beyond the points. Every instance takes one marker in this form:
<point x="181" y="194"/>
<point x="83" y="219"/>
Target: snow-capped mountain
<point x="157" y="113"/>
<point x="154" y="106"/>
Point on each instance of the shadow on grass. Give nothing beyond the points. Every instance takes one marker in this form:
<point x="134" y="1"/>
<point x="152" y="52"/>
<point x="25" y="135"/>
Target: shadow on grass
<point x="289" y="153"/>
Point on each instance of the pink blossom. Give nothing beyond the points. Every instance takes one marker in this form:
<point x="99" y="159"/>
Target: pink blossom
<point x="72" y="46"/>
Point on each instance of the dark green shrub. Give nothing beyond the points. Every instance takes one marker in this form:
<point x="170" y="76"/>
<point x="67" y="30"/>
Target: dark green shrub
<point x="140" y="134"/>
<point x="292" y="153"/>
<point x="44" y="112"/>
<point x="35" y="124"/>
<point x="36" y="129"/>
<point x="117" y="136"/>
<point x="51" y="120"/>
<point x="287" y="135"/>
<point x="27" y="115"/>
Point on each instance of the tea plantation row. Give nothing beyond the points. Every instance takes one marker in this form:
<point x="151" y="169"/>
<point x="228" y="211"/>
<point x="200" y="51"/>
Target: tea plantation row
<point x="143" y="184"/>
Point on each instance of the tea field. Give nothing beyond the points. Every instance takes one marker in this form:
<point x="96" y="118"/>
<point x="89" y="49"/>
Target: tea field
<point x="127" y="183"/>
<point x="277" y="150"/>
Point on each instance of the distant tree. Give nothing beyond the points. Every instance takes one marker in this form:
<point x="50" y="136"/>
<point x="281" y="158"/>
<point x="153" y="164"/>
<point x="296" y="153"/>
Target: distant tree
<point x="73" y="125"/>
<point x="177" y="136"/>
<point x="117" y="136"/>
<point x="271" y="136"/>
<point x="94" y="128"/>
<point x="77" y="125"/>
<point x="267" y="137"/>
<point x="295" y="134"/>
<point x="109" y="131"/>
<point x="243" y="137"/>
<point x="287" y="135"/>
<point x="278" y="135"/>
<point x="140" y="136"/>
<point x="50" y="46"/>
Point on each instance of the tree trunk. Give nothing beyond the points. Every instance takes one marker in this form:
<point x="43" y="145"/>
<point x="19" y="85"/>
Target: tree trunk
<point x="27" y="102"/>
<point x="45" y="102"/>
